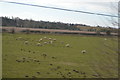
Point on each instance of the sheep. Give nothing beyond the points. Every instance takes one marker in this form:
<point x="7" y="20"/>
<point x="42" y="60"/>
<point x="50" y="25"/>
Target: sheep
<point x="40" y="39"/>
<point x="83" y="51"/>
<point x="39" y="44"/>
<point x="26" y="42"/>
<point x="19" y="37"/>
<point x="49" y="38"/>
<point x="105" y="39"/>
<point x="45" y="37"/>
<point x="54" y="39"/>
<point x="35" y="60"/>
<point x="45" y="42"/>
<point x="67" y="45"/>
<point x="51" y="42"/>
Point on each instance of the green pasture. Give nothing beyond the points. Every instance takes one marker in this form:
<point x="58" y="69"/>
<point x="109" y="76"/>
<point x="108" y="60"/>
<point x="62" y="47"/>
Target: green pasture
<point x="22" y="60"/>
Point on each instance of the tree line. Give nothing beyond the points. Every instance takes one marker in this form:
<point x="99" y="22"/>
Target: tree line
<point x="29" y="23"/>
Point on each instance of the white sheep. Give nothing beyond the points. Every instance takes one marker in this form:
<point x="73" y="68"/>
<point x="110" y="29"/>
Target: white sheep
<point x="26" y="42"/>
<point x="105" y="39"/>
<point x="67" y="45"/>
<point x="45" y="42"/>
<point x="40" y="39"/>
<point x="19" y="38"/>
<point x="45" y="37"/>
<point x="49" y="38"/>
<point x="51" y="42"/>
<point x="54" y="39"/>
<point x="39" y="44"/>
<point x="83" y="51"/>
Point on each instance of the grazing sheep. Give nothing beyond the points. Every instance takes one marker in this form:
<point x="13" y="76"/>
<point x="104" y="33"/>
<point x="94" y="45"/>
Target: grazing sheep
<point x="51" y="42"/>
<point x="54" y="39"/>
<point x="67" y="45"/>
<point x="26" y="42"/>
<point x="45" y="37"/>
<point x="38" y="44"/>
<point x="45" y="42"/>
<point x="35" y="60"/>
<point x="105" y="39"/>
<point x="40" y="39"/>
<point x="49" y="38"/>
<point x="83" y="51"/>
<point x="19" y="38"/>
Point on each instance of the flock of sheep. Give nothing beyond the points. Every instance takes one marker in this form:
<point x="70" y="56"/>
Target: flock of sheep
<point x="43" y="41"/>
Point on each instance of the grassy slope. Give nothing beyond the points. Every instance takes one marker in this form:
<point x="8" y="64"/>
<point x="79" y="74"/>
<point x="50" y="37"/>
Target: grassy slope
<point x="101" y="56"/>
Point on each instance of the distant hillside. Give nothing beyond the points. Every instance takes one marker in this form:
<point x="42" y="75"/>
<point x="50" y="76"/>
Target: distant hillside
<point x="29" y="23"/>
<point x="37" y="24"/>
<point x="98" y="28"/>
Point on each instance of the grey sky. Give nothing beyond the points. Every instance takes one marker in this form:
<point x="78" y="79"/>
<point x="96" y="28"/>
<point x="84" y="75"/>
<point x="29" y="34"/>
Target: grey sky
<point x="99" y="6"/>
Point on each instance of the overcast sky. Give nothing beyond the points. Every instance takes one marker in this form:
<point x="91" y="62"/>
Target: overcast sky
<point x="35" y="13"/>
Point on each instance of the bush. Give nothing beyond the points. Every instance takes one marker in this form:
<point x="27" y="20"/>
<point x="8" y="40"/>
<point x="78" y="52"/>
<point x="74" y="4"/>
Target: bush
<point x="12" y="31"/>
<point x="108" y="32"/>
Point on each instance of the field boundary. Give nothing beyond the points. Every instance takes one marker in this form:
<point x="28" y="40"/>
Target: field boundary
<point x="37" y="30"/>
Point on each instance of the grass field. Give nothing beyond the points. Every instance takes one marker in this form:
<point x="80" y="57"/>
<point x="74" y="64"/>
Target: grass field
<point x="22" y="60"/>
